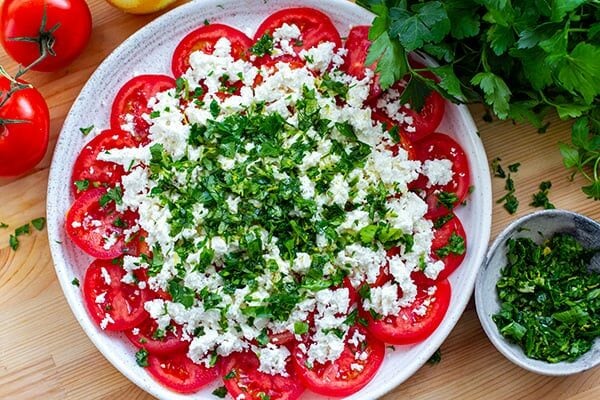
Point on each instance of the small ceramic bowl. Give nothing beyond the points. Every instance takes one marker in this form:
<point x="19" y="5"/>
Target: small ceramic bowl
<point x="537" y="226"/>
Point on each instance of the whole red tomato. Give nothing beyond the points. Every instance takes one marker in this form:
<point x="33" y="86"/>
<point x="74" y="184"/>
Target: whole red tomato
<point x="24" y="127"/>
<point x="66" y="31"/>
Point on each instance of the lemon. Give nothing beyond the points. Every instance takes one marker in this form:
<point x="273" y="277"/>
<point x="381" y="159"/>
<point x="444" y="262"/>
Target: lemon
<point x="140" y="6"/>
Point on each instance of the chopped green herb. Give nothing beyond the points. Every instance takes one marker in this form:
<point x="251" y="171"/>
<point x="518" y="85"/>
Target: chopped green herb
<point x="39" y="223"/>
<point x="13" y="242"/>
<point x="435" y="357"/>
<point x="230" y="375"/>
<point x="549" y="298"/>
<point x="456" y="245"/>
<point x="3" y="225"/>
<point x="300" y="328"/>
<point x="514" y="167"/>
<point x="447" y="199"/>
<point x="540" y="199"/>
<point x="141" y="358"/>
<point x="75" y="282"/>
<point x="264" y="396"/>
<point x="497" y="168"/>
<point x="155" y="114"/>
<point x="86" y="131"/>
<point x="113" y="194"/>
<point x="220" y="392"/>
<point x="82" y="185"/>
<point x="263" y="46"/>
<point x="23" y="230"/>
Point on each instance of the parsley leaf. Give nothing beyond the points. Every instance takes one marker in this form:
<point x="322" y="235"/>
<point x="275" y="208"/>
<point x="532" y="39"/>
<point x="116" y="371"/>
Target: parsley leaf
<point x="141" y="358"/>
<point x="263" y="46"/>
<point x="86" y="131"/>
<point x="540" y="199"/>
<point x="220" y="392"/>
<point x="39" y="223"/>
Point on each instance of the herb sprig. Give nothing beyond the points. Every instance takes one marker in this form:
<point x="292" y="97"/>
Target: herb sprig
<point x="523" y="59"/>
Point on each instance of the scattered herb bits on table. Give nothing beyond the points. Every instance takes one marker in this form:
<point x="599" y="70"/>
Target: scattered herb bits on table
<point x="271" y="216"/>
<point x="550" y="301"/>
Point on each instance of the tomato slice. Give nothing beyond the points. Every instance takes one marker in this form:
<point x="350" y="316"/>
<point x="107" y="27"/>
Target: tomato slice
<point x="447" y="234"/>
<point x="417" y="124"/>
<point x="131" y="102"/>
<point x="358" y="363"/>
<point x="114" y="305"/>
<point x="315" y="27"/>
<point x="88" y="168"/>
<point x="179" y="373"/>
<point x="416" y="322"/>
<point x="204" y="39"/>
<point x="404" y="142"/>
<point x="99" y="230"/>
<point x="156" y="342"/>
<point x="358" y="44"/>
<point x="441" y="146"/>
<point x="242" y="377"/>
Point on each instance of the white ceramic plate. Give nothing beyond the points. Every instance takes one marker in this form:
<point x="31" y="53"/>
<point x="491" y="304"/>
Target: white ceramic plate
<point x="149" y="51"/>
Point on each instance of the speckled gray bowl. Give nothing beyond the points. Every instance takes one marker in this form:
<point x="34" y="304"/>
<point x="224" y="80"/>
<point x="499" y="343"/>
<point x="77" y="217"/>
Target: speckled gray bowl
<point x="149" y="51"/>
<point x="538" y="226"/>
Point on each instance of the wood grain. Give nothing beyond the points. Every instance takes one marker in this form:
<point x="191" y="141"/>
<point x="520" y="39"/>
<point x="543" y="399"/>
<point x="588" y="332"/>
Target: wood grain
<point x="44" y="354"/>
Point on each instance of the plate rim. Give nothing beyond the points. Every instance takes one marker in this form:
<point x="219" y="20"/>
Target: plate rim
<point x="55" y="187"/>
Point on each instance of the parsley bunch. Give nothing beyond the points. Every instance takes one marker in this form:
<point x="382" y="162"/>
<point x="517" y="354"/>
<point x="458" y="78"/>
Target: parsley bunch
<point x="522" y="58"/>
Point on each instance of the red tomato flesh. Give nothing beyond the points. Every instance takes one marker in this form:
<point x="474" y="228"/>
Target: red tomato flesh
<point x="179" y="373"/>
<point x="441" y="237"/>
<point x="131" y="102"/>
<point x="146" y="337"/>
<point x="358" y="44"/>
<point x="355" y="368"/>
<point x="416" y="322"/>
<point x="100" y="173"/>
<point x="315" y="27"/>
<point x="253" y="384"/>
<point x="95" y="229"/>
<point x="441" y="146"/>
<point x="204" y="39"/>
<point x="106" y="296"/>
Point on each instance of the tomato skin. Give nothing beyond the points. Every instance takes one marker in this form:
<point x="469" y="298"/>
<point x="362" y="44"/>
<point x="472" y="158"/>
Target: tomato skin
<point x="442" y="146"/>
<point x="170" y="344"/>
<point x="123" y="302"/>
<point x="407" y="327"/>
<point x="23" y="18"/>
<point x="204" y="39"/>
<point x="132" y="99"/>
<point x="358" y="44"/>
<point x="179" y="373"/>
<point x="96" y="172"/>
<point x="251" y="383"/>
<point x="440" y="239"/>
<point x="22" y="145"/>
<point x="338" y="378"/>
<point x="88" y="225"/>
<point x="315" y="27"/>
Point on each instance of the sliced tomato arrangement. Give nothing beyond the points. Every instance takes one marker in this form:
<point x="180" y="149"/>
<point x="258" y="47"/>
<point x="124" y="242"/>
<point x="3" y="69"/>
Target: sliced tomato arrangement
<point x="131" y="103"/>
<point x="114" y="305"/>
<point x="449" y="245"/>
<point x="116" y="301"/>
<point x="89" y="172"/>
<point x="156" y="341"/>
<point x="416" y="322"/>
<point x="97" y="228"/>
<point x="204" y="39"/>
<point x="358" y="363"/>
<point x="179" y="373"/>
<point x="242" y="377"/>
<point x="315" y="27"/>
<point x="442" y="199"/>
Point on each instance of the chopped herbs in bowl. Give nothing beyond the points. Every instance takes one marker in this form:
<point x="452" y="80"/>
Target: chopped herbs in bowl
<point x="538" y="294"/>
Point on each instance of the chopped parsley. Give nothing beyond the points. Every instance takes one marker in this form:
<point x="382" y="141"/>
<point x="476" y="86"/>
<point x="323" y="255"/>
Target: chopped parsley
<point x="39" y="223"/>
<point x="82" y="185"/>
<point x="550" y="301"/>
<point x="263" y="46"/>
<point x="3" y="225"/>
<point x="540" y="199"/>
<point x="13" y="242"/>
<point x="435" y="357"/>
<point x="113" y="194"/>
<point x="509" y="201"/>
<point x="141" y="358"/>
<point x="220" y="392"/>
<point x="75" y="282"/>
<point x="456" y="245"/>
<point x="86" y="131"/>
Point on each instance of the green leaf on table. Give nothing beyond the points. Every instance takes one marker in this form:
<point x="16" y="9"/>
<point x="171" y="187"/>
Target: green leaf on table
<point x="571" y="110"/>
<point x="39" y="223"/>
<point x="497" y="94"/>
<point x="570" y="155"/>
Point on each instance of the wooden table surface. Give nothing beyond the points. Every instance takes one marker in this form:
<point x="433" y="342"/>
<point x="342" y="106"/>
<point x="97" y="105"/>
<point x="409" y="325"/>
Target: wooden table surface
<point x="44" y="353"/>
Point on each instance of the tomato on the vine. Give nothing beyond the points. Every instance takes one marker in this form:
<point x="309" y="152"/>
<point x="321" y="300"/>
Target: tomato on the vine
<point x="25" y="35"/>
<point x="24" y="128"/>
